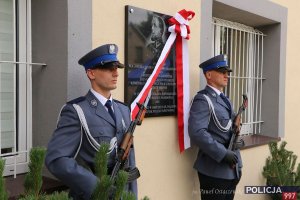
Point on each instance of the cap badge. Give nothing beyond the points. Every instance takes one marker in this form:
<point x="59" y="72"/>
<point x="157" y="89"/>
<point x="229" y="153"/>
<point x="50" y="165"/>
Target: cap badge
<point x="112" y="49"/>
<point x="94" y="102"/>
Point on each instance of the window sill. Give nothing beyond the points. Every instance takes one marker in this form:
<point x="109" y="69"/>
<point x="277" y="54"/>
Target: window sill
<point x="257" y="140"/>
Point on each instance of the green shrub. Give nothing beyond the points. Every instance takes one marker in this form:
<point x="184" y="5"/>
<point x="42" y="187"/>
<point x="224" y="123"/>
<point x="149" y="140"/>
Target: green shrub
<point x="105" y="187"/>
<point x="33" y="179"/>
<point x="3" y="193"/>
<point x="58" y="196"/>
<point x="279" y="169"/>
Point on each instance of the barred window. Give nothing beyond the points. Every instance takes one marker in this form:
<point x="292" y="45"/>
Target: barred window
<point x="244" y="47"/>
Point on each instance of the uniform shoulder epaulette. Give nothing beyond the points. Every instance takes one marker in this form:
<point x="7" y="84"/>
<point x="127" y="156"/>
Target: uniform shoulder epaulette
<point x="77" y="100"/>
<point x="120" y="102"/>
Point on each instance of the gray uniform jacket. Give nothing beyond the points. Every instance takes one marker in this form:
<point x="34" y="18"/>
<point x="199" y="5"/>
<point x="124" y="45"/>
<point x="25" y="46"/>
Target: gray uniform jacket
<point x="211" y="141"/>
<point x="66" y="139"/>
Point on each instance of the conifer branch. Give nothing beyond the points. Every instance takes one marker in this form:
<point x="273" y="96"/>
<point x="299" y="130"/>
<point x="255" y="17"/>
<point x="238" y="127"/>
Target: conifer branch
<point x="3" y="193"/>
<point x="33" y="179"/>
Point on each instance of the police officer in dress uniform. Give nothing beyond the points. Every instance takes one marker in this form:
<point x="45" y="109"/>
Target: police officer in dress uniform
<point x="210" y="121"/>
<point x="88" y="121"/>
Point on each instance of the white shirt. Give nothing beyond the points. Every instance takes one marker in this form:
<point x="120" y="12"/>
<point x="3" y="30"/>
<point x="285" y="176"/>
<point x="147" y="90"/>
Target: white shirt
<point x="102" y="99"/>
<point x="215" y="89"/>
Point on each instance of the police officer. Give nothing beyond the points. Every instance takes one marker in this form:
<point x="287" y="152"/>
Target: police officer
<point x="88" y="121"/>
<point x="210" y="120"/>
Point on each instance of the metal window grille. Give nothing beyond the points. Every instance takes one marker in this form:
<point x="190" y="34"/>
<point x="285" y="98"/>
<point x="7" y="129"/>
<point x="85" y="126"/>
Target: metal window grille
<point x="244" y="47"/>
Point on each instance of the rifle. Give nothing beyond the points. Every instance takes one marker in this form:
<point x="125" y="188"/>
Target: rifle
<point x="127" y="141"/>
<point x="236" y="127"/>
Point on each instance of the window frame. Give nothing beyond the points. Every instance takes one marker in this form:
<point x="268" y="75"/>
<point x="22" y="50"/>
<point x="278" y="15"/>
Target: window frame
<point x="17" y="160"/>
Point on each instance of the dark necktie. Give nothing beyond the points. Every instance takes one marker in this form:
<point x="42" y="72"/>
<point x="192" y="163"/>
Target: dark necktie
<point x="226" y="100"/>
<point x="108" y="105"/>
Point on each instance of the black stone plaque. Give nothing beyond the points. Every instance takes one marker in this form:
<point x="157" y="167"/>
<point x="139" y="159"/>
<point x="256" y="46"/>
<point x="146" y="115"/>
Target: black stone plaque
<point x="146" y="34"/>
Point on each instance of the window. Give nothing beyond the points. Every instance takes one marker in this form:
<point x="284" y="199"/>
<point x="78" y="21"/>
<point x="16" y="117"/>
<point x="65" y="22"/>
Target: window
<point x="244" y="48"/>
<point x="15" y="93"/>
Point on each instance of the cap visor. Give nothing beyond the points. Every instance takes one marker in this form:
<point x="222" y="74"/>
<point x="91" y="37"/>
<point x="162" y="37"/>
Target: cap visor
<point x="115" y="63"/>
<point x="112" y="64"/>
<point x="120" y="65"/>
<point x="225" y="68"/>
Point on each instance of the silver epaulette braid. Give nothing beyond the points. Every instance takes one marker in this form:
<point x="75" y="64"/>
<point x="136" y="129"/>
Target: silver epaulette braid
<point x="213" y="114"/>
<point x="90" y="138"/>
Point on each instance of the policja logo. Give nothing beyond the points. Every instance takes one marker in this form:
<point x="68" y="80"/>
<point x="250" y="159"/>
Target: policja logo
<point x="263" y="190"/>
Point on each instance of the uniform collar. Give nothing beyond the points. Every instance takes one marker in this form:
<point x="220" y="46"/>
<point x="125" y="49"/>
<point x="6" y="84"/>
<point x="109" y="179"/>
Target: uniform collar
<point x="215" y="89"/>
<point x="100" y="109"/>
<point x="100" y="97"/>
<point x="213" y="92"/>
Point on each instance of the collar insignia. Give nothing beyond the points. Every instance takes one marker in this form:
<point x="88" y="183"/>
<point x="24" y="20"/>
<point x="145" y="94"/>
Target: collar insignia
<point x="94" y="102"/>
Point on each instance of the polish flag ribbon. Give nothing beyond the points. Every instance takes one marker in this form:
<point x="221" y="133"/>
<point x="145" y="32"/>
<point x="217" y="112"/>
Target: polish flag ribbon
<point x="179" y="30"/>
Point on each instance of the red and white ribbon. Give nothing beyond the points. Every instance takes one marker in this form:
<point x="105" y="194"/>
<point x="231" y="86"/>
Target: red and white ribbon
<point x="178" y="26"/>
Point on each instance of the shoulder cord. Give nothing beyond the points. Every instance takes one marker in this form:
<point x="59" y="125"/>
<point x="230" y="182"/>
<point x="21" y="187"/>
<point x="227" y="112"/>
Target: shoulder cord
<point x="212" y="112"/>
<point x="90" y="138"/>
<point x="58" y="118"/>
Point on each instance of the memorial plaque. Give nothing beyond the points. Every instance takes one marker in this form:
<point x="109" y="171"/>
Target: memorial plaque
<point x="146" y="34"/>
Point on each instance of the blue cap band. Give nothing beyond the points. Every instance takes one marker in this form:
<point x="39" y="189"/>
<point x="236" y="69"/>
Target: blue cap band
<point x="215" y="66"/>
<point x="104" y="58"/>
